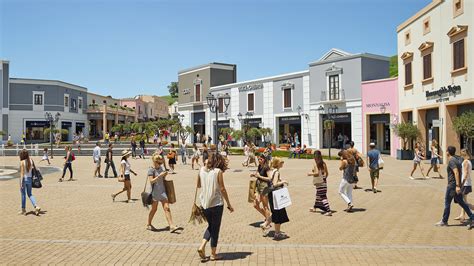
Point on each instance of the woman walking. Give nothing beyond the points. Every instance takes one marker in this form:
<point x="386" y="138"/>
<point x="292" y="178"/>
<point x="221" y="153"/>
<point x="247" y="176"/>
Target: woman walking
<point x="196" y="155"/>
<point x="278" y="217"/>
<point x="417" y="161"/>
<point x="26" y="181"/>
<point x="246" y="154"/>
<point x="125" y="170"/>
<point x="45" y="156"/>
<point x="435" y="157"/>
<point x="466" y="181"/>
<point x="182" y="152"/>
<point x="133" y="143"/>
<point x="320" y="169"/>
<point x="260" y="202"/>
<point x="348" y="168"/>
<point x="172" y="156"/>
<point x="156" y="176"/>
<point x="67" y="163"/>
<point x="213" y="195"/>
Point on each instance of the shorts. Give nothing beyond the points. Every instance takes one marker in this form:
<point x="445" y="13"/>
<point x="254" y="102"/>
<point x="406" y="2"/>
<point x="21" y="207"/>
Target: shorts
<point x="261" y="185"/>
<point x="127" y="177"/>
<point x="374" y="174"/>
<point x="466" y="190"/>
<point x="416" y="162"/>
<point x="434" y="161"/>
<point x="97" y="163"/>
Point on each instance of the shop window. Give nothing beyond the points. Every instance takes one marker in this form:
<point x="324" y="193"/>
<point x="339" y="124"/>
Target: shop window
<point x="66" y="101"/>
<point x="334" y="87"/>
<point x="221" y="105"/>
<point x="458" y="55"/>
<point x="287" y="98"/>
<point x="251" y="102"/>
<point x="458" y="7"/>
<point x="38" y="99"/>
<point x="427" y="66"/>
<point x="426" y="26"/>
<point x="408" y="77"/>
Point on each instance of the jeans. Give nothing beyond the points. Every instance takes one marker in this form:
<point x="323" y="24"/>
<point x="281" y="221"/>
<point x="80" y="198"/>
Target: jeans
<point x="450" y="195"/>
<point x="68" y="166"/>
<point x="345" y="190"/>
<point x="142" y="154"/>
<point x="293" y="154"/>
<point x="214" y="218"/>
<point x="183" y="157"/>
<point x="26" y="190"/>
<point x="134" y="152"/>
<point x="110" y="164"/>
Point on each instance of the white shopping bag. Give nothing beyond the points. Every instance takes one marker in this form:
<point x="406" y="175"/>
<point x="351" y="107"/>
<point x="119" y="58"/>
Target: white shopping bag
<point x="281" y="198"/>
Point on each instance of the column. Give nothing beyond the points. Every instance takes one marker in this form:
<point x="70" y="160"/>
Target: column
<point x="104" y="122"/>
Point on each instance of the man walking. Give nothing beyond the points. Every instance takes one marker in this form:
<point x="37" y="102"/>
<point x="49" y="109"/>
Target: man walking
<point x="374" y="169"/>
<point x="453" y="189"/>
<point x="96" y="158"/>
<point x="110" y="162"/>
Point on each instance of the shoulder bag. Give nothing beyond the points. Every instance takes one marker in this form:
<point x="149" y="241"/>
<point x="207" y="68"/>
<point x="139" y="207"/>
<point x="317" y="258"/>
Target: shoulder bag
<point x="146" y="196"/>
<point x="197" y="212"/>
<point x="36" y="177"/>
<point x="381" y="162"/>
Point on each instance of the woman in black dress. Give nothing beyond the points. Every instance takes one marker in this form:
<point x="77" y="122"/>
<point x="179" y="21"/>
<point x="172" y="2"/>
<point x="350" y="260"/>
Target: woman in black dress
<point x="260" y="202"/>
<point x="172" y="157"/>
<point x="278" y="216"/>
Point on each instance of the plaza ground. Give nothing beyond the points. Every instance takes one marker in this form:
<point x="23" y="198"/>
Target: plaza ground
<point x="80" y="224"/>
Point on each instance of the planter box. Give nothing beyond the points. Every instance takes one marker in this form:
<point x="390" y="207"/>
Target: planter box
<point x="405" y="155"/>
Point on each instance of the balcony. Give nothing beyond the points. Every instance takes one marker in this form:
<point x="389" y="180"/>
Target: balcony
<point x="335" y="97"/>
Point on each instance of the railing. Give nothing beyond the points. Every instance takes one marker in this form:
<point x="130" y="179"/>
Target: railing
<point x="99" y="108"/>
<point x="325" y="97"/>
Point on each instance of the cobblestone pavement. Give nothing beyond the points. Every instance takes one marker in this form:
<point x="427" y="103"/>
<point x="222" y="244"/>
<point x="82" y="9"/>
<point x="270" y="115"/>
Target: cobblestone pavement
<point x="80" y="224"/>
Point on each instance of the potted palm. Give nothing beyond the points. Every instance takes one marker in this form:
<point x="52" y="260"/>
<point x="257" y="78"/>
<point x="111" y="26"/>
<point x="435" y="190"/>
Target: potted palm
<point x="407" y="132"/>
<point x="464" y="126"/>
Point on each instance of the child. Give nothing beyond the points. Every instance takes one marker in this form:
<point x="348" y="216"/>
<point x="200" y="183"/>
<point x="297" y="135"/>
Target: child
<point x="45" y="156"/>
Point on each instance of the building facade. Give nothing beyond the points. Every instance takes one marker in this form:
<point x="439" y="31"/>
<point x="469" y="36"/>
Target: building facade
<point x="4" y="96"/>
<point x="435" y="80"/>
<point x="155" y="107"/>
<point x="194" y="84"/>
<point x="379" y="115"/>
<point x="137" y="104"/>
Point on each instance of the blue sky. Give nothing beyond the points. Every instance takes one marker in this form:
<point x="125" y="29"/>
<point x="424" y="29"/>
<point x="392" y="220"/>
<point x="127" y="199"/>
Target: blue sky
<point x="123" y="48"/>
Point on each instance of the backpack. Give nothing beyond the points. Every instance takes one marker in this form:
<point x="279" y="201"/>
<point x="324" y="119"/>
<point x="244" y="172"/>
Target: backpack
<point x="73" y="157"/>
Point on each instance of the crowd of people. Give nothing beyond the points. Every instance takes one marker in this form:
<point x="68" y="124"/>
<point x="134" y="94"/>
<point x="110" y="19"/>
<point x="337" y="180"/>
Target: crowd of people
<point x="212" y="166"/>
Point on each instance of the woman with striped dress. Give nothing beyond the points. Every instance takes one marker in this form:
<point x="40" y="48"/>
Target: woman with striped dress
<point x="320" y="169"/>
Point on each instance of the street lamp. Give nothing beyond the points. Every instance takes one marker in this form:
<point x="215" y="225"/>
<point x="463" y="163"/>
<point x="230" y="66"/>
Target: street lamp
<point x="49" y="117"/>
<point x="213" y="103"/>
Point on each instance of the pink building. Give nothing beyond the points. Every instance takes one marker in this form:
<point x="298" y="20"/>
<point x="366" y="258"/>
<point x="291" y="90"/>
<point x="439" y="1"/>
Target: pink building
<point x="137" y="104"/>
<point x="379" y="114"/>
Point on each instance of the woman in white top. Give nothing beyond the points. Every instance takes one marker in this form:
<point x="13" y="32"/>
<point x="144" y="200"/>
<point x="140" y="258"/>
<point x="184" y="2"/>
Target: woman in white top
<point x="26" y="180"/>
<point x="125" y="170"/>
<point x="466" y="181"/>
<point x="196" y="155"/>
<point x="246" y="154"/>
<point x="435" y="156"/>
<point x="417" y="161"/>
<point x="211" y="182"/>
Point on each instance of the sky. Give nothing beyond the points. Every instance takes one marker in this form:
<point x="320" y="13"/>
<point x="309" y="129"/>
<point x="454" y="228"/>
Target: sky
<point x="125" y="48"/>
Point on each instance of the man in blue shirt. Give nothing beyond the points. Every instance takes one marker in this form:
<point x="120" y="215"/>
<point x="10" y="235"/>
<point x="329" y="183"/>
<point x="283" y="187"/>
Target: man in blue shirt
<point x="373" y="162"/>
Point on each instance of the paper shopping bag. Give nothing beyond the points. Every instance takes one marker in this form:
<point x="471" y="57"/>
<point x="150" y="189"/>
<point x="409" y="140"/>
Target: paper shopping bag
<point x="281" y="198"/>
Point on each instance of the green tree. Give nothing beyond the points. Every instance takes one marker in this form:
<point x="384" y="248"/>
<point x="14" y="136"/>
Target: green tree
<point x="254" y="133"/>
<point x="464" y="126"/>
<point x="407" y="132"/>
<point x="393" y="69"/>
<point x="226" y="131"/>
<point x="237" y="134"/>
<point x="173" y="89"/>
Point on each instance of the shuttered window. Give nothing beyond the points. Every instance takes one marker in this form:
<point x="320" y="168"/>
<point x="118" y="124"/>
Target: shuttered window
<point x="287" y="98"/>
<point x="427" y="66"/>
<point x="408" y="80"/>
<point x="221" y="105"/>
<point x="250" y="102"/>
<point x="458" y="54"/>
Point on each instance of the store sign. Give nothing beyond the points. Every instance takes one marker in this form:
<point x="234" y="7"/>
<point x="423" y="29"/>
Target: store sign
<point x="375" y="105"/>
<point x="443" y="94"/>
<point x="187" y="91"/>
<point x="251" y="87"/>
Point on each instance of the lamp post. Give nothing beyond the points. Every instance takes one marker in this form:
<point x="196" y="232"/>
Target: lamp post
<point x="49" y="117"/>
<point x="213" y="103"/>
<point x="332" y="110"/>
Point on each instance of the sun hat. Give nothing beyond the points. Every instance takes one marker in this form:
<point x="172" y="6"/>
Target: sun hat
<point x="126" y="153"/>
<point x="372" y="144"/>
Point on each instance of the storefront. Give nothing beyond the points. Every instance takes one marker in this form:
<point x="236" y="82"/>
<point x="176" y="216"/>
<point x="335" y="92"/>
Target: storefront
<point x="342" y="129"/>
<point x="199" y="124"/>
<point x="80" y="127"/>
<point x="289" y="126"/>
<point x="35" y="131"/>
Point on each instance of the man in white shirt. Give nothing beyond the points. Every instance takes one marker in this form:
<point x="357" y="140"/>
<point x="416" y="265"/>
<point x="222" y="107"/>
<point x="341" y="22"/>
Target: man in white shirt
<point x="97" y="159"/>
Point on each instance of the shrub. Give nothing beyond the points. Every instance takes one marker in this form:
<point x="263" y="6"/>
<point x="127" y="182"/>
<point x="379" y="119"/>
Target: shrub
<point x="407" y="132"/>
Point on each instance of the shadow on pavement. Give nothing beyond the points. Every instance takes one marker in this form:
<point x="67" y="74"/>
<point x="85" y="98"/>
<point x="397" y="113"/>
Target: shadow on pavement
<point x="234" y="255"/>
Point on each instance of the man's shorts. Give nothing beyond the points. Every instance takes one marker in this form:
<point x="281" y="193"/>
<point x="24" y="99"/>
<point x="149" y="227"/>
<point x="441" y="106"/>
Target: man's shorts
<point x="97" y="162"/>
<point x="374" y="173"/>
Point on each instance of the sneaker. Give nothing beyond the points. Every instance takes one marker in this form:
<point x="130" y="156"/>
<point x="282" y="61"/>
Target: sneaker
<point x="22" y="212"/>
<point x="129" y="201"/>
<point x="411" y="177"/>
<point x="441" y="223"/>
<point x="329" y="213"/>
<point x="470" y="224"/>
<point x="37" y="210"/>
<point x="374" y="190"/>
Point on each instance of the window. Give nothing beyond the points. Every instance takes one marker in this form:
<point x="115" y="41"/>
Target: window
<point x="38" y="99"/>
<point x="458" y="54"/>
<point x="426" y="26"/>
<point x="287" y="98"/>
<point x="334" y="87"/>
<point x="251" y="102"/>
<point x="66" y="101"/>
<point x="221" y="105"/>
<point x="79" y="103"/>
<point x="407" y="38"/>
<point x="408" y="80"/>
<point x="198" y="92"/>
<point x="458" y="7"/>
<point x="427" y="66"/>
<point x="73" y="104"/>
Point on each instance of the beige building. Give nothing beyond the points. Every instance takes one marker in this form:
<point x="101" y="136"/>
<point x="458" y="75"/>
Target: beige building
<point x="155" y="106"/>
<point x="435" y="63"/>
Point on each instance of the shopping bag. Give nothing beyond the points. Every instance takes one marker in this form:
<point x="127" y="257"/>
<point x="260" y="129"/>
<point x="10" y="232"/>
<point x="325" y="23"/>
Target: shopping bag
<point x="252" y="188"/>
<point x="281" y="198"/>
<point x="169" y="187"/>
<point x="381" y="162"/>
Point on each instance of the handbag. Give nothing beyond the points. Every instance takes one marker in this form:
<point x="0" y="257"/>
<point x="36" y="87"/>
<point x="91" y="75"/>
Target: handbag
<point x="146" y="196"/>
<point x="317" y="178"/>
<point x="197" y="212"/>
<point x="36" y="177"/>
<point x="169" y="188"/>
<point x="381" y="162"/>
<point x="281" y="198"/>
<point x="252" y="189"/>
<point x="170" y="155"/>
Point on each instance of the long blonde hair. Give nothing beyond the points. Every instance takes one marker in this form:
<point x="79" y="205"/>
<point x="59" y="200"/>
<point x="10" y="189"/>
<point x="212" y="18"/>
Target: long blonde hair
<point x="465" y="153"/>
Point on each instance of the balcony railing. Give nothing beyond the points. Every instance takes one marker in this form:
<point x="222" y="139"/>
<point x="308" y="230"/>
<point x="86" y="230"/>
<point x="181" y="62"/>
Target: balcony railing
<point x="99" y="108"/>
<point x="333" y="97"/>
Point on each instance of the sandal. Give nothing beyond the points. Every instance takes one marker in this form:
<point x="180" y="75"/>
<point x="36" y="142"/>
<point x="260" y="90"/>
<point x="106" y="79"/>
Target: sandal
<point x="150" y="227"/>
<point x="113" y="197"/>
<point x="312" y="210"/>
<point x="202" y="254"/>
<point x="174" y="229"/>
<point x="60" y="180"/>
<point x="214" y="258"/>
